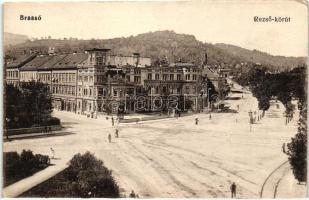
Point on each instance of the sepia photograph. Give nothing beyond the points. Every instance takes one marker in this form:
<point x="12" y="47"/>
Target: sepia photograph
<point x="155" y="99"/>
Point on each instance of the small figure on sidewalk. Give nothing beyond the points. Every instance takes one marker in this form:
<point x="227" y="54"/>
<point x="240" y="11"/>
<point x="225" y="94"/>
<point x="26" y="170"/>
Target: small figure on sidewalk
<point x="196" y="121"/>
<point x="242" y="96"/>
<point x="209" y="116"/>
<point x="109" y="138"/>
<point x="236" y="120"/>
<point x="283" y="148"/>
<point x="116" y="133"/>
<point x="52" y="153"/>
<point x="233" y="190"/>
<point x="113" y="122"/>
<point x="237" y="107"/>
<point x="132" y="194"/>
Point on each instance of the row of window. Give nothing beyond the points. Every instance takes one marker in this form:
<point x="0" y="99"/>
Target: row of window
<point x="65" y="90"/>
<point x="171" y="77"/>
<point x="28" y="75"/>
<point x="64" y="77"/>
<point x="12" y="74"/>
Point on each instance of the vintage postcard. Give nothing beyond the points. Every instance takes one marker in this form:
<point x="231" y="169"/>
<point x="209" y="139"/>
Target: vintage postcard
<point x="155" y="99"/>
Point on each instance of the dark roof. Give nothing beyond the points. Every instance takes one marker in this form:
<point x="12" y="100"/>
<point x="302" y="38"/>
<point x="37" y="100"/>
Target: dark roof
<point x="19" y="62"/>
<point x="98" y="49"/>
<point x="35" y="63"/>
<point x="70" y="61"/>
<point x="50" y="63"/>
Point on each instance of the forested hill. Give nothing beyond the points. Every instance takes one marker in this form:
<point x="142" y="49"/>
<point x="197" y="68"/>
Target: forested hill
<point x="260" y="57"/>
<point x="161" y="45"/>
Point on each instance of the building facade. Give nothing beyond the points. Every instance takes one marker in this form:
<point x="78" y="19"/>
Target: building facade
<point x="94" y="82"/>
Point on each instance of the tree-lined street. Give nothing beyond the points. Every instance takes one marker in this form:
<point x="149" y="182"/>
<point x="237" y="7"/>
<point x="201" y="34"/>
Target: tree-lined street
<point x="175" y="158"/>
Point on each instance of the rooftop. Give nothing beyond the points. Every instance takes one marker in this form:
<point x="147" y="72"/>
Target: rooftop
<point x="98" y="49"/>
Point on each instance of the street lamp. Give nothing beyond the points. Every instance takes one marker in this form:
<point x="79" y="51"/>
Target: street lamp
<point x="251" y="120"/>
<point x="208" y="98"/>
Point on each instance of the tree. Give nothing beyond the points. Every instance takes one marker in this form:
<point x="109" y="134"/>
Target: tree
<point x="27" y="104"/>
<point x="297" y="149"/>
<point x="90" y="178"/>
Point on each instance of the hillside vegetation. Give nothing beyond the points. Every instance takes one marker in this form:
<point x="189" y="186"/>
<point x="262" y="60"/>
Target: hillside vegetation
<point x="167" y="45"/>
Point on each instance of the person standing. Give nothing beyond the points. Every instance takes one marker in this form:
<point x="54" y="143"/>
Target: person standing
<point x="283" y="148"/>
<point x="233" y="190"/>
<point x="109" y="138"/>
<point x="52" y="153"/>
<point x="116" y="133"/>
<point x="209" y="116"/>
<point x="113" y="122"/>
<point x="196" y="121"/>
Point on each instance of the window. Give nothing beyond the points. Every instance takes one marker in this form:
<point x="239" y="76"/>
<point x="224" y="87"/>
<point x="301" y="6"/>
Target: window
<point x="194" y="77"/>
<point x="165" y="77"/>
<point x="90" y="92"/>
<point x="128" y="78"/>
<point x="157" y="76"/>
<point x="99" y="60"/>
<point x="188" y="77"/>
<point x="149" y="76"/>
<point x="136" y="79"/>
<point x="178" y="77"/>
<point x="171" y="77"/>
<point x="115" y="93"/>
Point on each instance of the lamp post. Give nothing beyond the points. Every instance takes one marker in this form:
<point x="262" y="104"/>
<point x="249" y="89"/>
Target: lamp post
<point x="251" y="120"/>
<point x="208" y="98"/>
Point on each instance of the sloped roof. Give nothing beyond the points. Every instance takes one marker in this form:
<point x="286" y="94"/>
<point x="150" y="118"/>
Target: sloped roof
<point x="210" y="73"/>
<point x="70" y="61"/>
<point x="50" y="63"/>
<point x="19" y="62"/>
<point x="35" y="63"/>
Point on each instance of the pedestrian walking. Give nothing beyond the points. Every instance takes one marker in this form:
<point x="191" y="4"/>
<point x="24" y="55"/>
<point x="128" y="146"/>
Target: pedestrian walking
<point x="113" y="122"/>
<point x="283" y="148"/>
<point x="237" y="107"/>
<point x="116" y="133"/>
<point x="132" y="194"/>
<point x="233" y="190"/>
<point x="52" y="153"/>
<point x="109" y="138"/>
<point x="196" y="121"/>
<point x="209" y="116"/>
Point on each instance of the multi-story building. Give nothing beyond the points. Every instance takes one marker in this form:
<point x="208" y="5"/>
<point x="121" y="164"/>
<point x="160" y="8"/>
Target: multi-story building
<point x="13" y="68"/>
<point x="95" y="81"/>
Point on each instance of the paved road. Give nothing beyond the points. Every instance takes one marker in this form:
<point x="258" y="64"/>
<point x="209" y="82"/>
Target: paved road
<point x="175" y="157"/>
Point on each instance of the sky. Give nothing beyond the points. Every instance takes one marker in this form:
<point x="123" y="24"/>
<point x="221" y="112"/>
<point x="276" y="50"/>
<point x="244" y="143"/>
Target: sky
<point x="220" y="21"/>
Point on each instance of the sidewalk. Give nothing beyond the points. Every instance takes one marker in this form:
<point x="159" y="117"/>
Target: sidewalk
<point x="282" y="184"/>
<point x="34" y="135"/>
<point x="288" y="187"/>
<point x="26" y="184"/>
